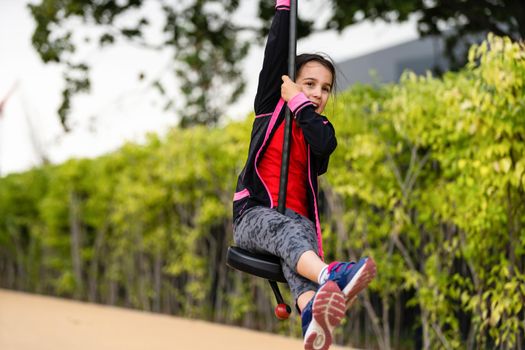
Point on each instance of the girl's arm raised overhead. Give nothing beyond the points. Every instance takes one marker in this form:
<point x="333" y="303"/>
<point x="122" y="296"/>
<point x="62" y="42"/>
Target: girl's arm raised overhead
<point x="275" y="62"/>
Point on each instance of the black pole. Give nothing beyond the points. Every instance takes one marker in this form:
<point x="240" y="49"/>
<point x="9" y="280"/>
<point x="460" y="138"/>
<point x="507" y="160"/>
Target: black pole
<point x="292" y="47"/>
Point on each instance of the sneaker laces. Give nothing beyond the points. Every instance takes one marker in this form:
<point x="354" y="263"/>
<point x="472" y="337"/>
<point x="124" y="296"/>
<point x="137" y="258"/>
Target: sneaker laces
<point x="337" y="266"/>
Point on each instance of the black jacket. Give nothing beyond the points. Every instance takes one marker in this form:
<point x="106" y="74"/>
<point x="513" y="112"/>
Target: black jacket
<point x="318" y="132"/>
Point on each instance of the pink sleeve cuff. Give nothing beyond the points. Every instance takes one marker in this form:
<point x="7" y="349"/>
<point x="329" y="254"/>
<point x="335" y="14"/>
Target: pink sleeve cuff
<point x="282" y="3"/>
<point x="298" y="102"/>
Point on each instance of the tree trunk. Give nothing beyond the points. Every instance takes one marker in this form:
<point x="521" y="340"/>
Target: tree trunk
<point x="222" y="271"/>
<point x="93" y="269"/>
<point x="76" y="242"/>
<point x="374" y="321"/>
<point x="112" y="297"/>
<point x="386" y="322"/>
<point x="18" y="268"/>
<point x="425" y="326"/>
<point x="397" y="320"/>
<point x="157" y="277"/>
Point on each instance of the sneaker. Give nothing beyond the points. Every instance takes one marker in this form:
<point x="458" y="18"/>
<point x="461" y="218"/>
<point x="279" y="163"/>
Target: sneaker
<point x="352" y="277"/>
<point x="321" y="315"/>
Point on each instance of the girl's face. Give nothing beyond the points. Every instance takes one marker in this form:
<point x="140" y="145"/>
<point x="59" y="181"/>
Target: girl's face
<point x="316" y="82"/>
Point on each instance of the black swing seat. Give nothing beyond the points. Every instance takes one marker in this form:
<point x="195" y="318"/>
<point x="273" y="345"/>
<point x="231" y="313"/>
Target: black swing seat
<point x="265" y="266"/>
<point x="261" y="265"/>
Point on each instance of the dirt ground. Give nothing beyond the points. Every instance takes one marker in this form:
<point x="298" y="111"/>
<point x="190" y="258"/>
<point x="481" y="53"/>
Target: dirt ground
<point x="34" y="322"/>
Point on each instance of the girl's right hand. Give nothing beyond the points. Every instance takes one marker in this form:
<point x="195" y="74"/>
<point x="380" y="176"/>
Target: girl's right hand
<point x="289" y="89"/>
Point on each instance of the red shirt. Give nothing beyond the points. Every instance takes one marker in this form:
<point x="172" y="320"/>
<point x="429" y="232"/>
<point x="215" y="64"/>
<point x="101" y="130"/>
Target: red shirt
<point x="270" y="169"/>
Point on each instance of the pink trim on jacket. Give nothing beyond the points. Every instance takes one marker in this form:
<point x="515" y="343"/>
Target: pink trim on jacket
<point x="241" y="194"/>
<point x="275" y="115"/>
<point x="263" y="115"/>
<point x="285" y="3"/>
<point x="317" y="223"/>
<point x="298" y="102"/>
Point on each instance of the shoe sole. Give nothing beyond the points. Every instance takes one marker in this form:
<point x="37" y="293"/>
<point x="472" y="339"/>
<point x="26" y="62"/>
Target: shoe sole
<point x="328" y="310"/>
<point x="361" y="280"/>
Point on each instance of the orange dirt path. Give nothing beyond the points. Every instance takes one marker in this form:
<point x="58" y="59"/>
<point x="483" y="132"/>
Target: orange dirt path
<point x="30" y="322"/>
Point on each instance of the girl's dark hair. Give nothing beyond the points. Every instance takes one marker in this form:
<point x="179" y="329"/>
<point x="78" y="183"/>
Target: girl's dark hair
<point x="323" y="59"/>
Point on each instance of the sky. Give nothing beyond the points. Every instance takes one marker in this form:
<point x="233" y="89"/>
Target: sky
<point x="119" y="107"/>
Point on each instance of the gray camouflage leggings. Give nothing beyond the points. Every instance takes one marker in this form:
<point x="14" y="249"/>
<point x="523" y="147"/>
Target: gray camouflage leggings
<point x="264" y="230"/>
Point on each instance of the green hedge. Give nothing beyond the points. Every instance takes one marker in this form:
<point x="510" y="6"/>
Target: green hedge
<point x="428" y="178"/>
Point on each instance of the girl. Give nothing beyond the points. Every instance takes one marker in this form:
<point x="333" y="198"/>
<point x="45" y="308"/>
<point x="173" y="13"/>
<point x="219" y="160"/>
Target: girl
<point x="322" y="292"/>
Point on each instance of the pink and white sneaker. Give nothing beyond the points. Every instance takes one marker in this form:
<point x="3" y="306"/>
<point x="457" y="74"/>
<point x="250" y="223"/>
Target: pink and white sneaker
<point x="322" y="314"/>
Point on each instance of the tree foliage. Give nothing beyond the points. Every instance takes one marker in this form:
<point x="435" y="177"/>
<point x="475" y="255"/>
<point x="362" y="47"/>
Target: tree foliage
<point x="428" y="178"/>
<point x="207" y="45"/>
<point x="460" y="22"/>
<point x="204" y="43"/>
